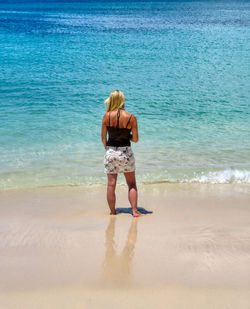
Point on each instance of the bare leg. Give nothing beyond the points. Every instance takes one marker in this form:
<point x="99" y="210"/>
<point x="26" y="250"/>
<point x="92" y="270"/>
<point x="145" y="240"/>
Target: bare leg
<point x="111" y="192"/>
<point x="132" y="192"/>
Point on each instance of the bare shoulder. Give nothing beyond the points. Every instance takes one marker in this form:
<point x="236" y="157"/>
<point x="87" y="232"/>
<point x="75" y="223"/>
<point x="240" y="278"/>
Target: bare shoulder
<point x="133" y="118"/>
<point x="105" y="118"/>
<point x="133" y="121"/>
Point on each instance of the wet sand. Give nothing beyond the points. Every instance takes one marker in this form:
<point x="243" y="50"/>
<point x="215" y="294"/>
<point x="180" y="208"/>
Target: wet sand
<point x="60" y="248"/>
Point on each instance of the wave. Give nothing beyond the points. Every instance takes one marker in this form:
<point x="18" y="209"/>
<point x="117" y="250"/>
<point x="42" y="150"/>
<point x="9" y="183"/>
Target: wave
<point x="226" y="176"/>
<point x="203" y="177"/>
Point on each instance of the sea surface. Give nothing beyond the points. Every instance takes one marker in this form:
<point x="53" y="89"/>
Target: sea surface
<point x="183" y="66"/>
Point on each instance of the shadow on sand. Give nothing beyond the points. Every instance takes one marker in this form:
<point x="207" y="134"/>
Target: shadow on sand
<point x="124" y="210"/>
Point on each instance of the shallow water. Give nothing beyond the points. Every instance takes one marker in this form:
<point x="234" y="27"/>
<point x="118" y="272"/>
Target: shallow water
<point x="183" y="67"/>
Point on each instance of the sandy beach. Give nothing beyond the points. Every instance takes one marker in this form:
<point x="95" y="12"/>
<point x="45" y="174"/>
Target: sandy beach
<point x="60" y="248"/>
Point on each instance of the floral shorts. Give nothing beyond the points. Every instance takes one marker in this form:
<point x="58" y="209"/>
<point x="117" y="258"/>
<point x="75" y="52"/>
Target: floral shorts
<point x="119" y="160"/>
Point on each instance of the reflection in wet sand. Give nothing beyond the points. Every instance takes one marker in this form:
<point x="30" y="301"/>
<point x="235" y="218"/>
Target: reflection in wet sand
<point x="117" y="267"/>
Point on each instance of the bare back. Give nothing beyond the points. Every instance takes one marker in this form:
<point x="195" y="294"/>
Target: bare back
<point x="124" y="120"/>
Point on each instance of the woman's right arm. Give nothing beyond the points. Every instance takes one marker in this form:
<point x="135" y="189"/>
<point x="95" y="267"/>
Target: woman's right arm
<point x="134" y="128"/>
<point x="104" y="131"/>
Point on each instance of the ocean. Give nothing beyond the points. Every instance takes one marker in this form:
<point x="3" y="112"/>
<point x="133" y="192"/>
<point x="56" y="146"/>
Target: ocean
<point x="182" y="65"/>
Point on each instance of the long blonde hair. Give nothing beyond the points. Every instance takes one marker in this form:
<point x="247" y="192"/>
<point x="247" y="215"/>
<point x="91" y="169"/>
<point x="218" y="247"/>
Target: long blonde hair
<point x="115" y="100"/>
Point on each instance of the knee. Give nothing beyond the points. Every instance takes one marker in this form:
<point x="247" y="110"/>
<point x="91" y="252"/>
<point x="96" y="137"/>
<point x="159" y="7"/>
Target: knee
<point x="112" y="185"/>
<point x="132" y="186"/>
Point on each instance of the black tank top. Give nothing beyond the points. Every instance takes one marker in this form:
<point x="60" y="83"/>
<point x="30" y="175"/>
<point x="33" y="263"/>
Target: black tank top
<point x="119" y="137"/>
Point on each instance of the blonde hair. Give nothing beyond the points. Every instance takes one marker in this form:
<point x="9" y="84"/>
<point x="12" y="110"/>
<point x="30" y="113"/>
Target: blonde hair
<point x="115" y="100"/>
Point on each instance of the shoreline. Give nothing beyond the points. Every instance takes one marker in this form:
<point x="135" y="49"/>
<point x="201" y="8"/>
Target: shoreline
<point x="197" y="176"/>
<point x="140" y="185"/>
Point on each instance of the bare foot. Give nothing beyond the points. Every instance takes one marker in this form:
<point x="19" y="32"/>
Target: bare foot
<point x="113" y="213"/>
<point x="136" y="213"/>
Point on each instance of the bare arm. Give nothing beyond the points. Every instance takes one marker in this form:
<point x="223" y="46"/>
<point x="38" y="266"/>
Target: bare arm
<point x="135" y="136"/>
<point x="104" y="131"/>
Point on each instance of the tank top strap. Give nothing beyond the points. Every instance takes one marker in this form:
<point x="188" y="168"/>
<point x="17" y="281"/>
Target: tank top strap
<point x="118" y="116"/>
<point x="129" y="121"/>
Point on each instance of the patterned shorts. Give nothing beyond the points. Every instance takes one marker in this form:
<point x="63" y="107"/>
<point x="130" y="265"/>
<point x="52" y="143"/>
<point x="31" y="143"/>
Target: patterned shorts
<point x="119" y="160"/>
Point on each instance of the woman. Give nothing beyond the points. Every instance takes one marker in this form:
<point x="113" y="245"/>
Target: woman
<point x="119" y="157"/>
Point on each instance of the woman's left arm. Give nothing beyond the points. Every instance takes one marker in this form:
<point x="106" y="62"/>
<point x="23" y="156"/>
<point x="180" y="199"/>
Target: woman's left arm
<point x="104" y="131"/>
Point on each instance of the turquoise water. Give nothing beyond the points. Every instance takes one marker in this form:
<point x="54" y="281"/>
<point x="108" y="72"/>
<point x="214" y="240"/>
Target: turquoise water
<point x="183" y="67"/>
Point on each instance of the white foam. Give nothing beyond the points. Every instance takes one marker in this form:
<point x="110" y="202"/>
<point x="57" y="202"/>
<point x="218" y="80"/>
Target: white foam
<point x="225" y="176"/>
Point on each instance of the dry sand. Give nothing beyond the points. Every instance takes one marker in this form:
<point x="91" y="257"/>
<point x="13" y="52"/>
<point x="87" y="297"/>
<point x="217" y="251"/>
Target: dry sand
<point x="60" y="248"/>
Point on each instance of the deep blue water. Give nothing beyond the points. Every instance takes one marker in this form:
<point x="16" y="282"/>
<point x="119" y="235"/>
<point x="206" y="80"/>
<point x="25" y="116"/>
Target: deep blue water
<point x="183" y="67"/>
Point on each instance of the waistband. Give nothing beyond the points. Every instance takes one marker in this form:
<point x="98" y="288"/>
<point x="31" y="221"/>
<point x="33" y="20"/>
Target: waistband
<point x="118" y="148"/>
